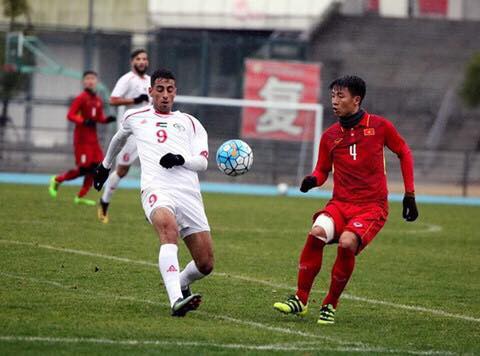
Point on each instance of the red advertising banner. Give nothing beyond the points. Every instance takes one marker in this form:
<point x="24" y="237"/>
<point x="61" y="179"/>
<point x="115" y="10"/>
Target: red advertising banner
<point x="281" y="82"/>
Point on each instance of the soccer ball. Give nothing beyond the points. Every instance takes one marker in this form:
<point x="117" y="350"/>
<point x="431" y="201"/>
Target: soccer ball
<point x="282" y="188"/>
<point x="234" y="157"/>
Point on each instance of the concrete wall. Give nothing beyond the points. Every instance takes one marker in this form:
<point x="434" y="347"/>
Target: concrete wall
<point x="128" y="15"/>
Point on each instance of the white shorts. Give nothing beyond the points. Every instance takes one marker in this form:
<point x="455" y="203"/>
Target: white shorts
<point x="129" y="153"/>
<point x="187" y="208"/>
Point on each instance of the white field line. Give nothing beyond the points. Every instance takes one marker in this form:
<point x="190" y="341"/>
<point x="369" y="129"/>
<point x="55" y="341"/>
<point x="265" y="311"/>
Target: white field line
<point x="297" y="346"/>
<point x="250" y="323"/>
<point x="421" y="228"/>
<point x="270" y="347"/>
<point x="257" y="281"/>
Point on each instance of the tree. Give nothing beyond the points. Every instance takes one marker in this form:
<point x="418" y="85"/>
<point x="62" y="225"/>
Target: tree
<point x="11" y="82"/>
<point x="470" y="91"/>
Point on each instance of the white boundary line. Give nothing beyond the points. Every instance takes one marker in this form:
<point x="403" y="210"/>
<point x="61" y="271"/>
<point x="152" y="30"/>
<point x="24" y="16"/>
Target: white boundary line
<point x="355" y="346"/>
<point x="422" y="228"/>
<point x="271" y="347"/>
<point x="254" y="280"/>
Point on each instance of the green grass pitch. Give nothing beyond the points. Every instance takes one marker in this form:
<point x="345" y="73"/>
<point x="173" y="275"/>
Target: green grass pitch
<point x="70" y="285"/>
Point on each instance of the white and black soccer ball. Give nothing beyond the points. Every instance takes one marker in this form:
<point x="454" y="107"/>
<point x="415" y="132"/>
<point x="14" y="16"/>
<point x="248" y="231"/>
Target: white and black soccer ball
<point x="234" y="157"/>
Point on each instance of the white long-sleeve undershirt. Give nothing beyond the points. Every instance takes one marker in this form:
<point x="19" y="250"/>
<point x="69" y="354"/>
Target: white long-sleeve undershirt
<point x="114" y="148"/>
<point x="196" y="164"/>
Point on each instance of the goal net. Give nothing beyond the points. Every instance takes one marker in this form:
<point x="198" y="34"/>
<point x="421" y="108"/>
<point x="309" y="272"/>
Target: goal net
<point x="284" y="136"/>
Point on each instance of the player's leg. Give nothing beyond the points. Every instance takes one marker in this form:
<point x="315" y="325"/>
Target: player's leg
<point x="81" y="153"/>
<point x="125" y="158"/>
<point x="195" y="231"/>
<point x="55" y="181"/>
<point x="341" y="273"/>
<point x="200" y="245"/>
<point x="160" y="214"/>
<point x="87" y="184"/>
<point x="322" y="232"/>
<point x="358" y="233"/>
<point x="110" y="187"/>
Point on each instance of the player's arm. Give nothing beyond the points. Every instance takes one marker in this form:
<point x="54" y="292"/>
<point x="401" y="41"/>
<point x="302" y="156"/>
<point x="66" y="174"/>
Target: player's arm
<point x="117" y="98"/>
<point x="395" y="142"/>
<point x="119" y="101"/>
<point x="74" y="112"/>
<point x="322" y="168"/>
<point x="198" y="161"/>
<point x="102" y="118"/>
<point x="114" y="148"/>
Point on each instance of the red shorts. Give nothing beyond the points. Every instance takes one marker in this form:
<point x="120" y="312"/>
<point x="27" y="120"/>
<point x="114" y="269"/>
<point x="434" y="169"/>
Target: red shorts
<point x="365" y="220"/>
<point x="87" y="155"/>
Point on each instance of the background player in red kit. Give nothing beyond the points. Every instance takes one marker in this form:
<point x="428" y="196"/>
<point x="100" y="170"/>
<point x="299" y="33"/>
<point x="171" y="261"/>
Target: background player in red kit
<point x="86" y="110"/>
<point x="353" y="149"/>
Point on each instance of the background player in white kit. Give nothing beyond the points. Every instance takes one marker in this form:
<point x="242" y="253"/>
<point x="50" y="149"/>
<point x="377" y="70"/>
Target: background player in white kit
<point x="130" y="91"/>
<point x="172" y="147"/>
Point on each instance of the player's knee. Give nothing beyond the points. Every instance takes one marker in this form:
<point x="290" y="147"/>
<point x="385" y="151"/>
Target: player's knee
<point x="349" y="241"/>
<point x="318" y="232"/>
<point x="205" y="266"/>
<point x="167" y="231"/>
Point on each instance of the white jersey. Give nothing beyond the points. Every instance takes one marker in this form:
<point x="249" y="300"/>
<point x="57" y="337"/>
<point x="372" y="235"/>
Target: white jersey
<point x="158" y="134"/>
<point x="131" y="85"/>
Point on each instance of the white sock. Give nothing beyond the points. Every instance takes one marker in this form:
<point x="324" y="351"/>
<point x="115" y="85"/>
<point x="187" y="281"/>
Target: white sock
<point x="189" y="275"/>
<point x="110" y="185"/>
<point x="170" y="270"/>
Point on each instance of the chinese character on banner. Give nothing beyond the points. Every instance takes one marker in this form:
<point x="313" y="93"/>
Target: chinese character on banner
<point x="281" y="82"/>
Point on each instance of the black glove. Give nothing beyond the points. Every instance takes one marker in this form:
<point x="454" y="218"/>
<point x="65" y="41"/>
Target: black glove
<point x="111" y="118"/>
<point x="140" y="98"/>
<point x="170" y="160"/>
<point x="100" y="175"/>
<point x="410" y="212"/>
<point x="89" y="122"/>
<point x="308" y="183"/>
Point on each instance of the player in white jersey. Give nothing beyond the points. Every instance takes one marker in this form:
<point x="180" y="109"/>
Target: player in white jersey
<point x="130" y="91"/>
<point x="172" y="147"/>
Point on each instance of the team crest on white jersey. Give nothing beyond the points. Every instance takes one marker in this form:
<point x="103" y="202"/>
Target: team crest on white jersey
<point x="179" y="127"/>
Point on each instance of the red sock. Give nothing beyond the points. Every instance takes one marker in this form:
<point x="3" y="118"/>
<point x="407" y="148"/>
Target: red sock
<point x="309" y="266"/>
<point x="87" y="183"/>
<point x="341" y="272"/>
<point x="69" y="175"/>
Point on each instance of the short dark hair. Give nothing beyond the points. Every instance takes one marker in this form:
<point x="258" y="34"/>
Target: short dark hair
<point x="355" y="85"/>
<point x="161" y="73"/>
<point x="137" y="52"/>
<point x="89" y="72"/>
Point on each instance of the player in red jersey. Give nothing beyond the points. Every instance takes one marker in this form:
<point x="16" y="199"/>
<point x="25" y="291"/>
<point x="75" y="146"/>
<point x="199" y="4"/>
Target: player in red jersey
<point x="353" y="150"/>
<point x="85" y="111"/>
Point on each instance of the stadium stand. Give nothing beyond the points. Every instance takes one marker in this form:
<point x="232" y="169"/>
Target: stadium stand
<point x="409" y="65"/>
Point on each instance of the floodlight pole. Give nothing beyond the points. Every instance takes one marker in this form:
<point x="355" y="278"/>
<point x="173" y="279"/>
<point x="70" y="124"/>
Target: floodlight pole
<point x="88" y="62"/>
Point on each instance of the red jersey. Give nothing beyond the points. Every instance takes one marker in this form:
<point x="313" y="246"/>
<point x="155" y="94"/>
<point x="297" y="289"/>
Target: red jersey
<point x="356" y="158"/>
<point x="87" y="105"/>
